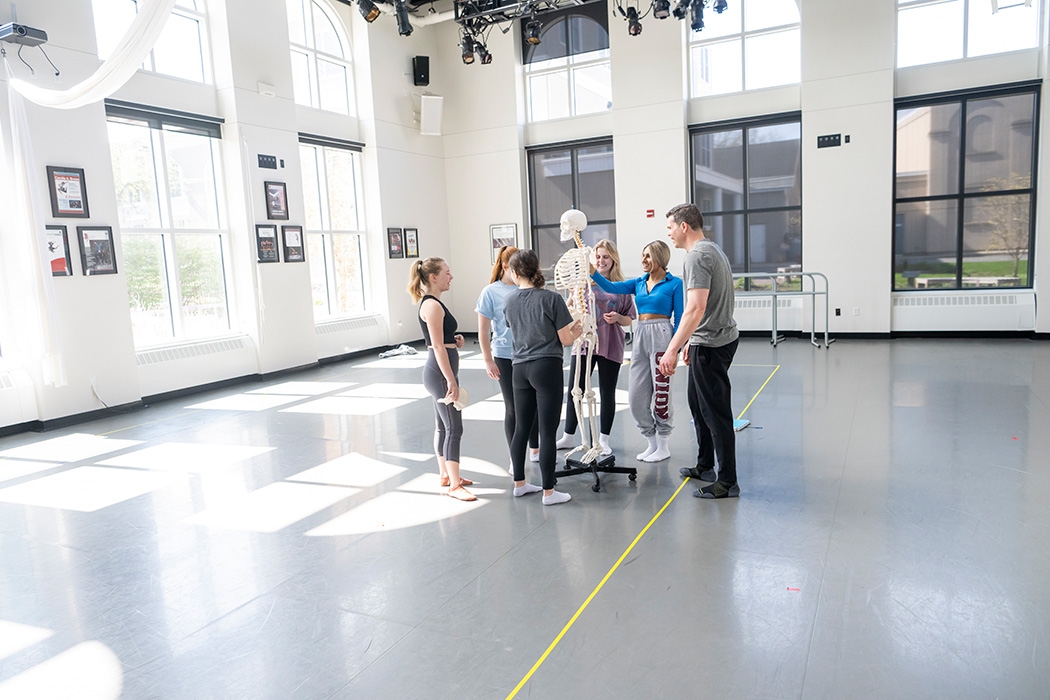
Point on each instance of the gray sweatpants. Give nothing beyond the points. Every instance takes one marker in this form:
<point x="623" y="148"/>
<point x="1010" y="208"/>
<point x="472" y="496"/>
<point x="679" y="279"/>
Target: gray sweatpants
<point x="650" y="390"/>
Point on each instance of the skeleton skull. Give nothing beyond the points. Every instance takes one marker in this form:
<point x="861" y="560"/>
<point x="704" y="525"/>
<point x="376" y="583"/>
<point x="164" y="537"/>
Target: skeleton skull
<point x="572" y="222"/>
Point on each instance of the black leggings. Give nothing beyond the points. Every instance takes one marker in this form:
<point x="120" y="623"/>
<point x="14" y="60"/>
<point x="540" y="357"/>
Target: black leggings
<point x="506" y="387"/>
<point x="449" y="421"/>
<point x="608" y="373"/>
<point x="537" y="398"/>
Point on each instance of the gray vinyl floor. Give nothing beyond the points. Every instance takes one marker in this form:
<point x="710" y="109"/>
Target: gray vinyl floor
<point x="287" y="540"/>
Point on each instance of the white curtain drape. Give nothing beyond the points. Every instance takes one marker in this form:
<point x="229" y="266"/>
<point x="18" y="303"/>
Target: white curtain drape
<point x="30" y="287"/>
<point x="115" y="70"/>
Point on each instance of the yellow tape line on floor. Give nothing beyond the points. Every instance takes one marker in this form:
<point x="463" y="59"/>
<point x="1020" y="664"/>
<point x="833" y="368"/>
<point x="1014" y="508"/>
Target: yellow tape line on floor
<point x="601" y="584"/>
<point x="587" y="602"/>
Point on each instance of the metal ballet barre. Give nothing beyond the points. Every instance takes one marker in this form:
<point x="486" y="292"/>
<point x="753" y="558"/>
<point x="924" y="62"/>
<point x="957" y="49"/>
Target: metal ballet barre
<point x="812" y="292"/>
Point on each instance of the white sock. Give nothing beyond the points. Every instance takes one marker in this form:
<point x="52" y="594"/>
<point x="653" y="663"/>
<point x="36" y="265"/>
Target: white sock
<point x="662" y="450"/>
<point x="520" y="491"/>
<point x="603" y="440"/>
<point x="648" y="450"/>
<point x="555" y="498"/>
<point x="534" y="456"/>
<point x="567" y="440"/>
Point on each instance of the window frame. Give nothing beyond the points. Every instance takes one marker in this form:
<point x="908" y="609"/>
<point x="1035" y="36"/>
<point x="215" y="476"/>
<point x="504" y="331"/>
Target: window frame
<point x="745" y="125"/>
<point x="905" y="5"/>
<point x="574" y="147"/>
<point x="963" y="97"/>
<point x="569" y="64"/>
<point x="200" y="16"/>
<point x="327" y="233"/>
<point x="158" y="121"/>
<point x="696" y="40"/>
<point x="312" y="54"/>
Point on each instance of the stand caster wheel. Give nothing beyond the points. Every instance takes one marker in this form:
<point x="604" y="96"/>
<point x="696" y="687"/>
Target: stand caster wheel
<point x="632" y="477"/>
<point x="596" y="488"/>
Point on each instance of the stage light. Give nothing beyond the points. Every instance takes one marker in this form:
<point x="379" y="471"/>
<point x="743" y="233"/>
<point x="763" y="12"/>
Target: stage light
<point x="368" y="10"/>
<point x="404" y="27"/>
<point x="721" y="6"/>
<point x="661" y="9"/>
<point x="681" y="9"/>
<point x="468" y="48"/>
<point x="532" y="31"/>
<point x="634" y="27"/>
<point x="697" y="23"/>
<point x="483" y="54"/>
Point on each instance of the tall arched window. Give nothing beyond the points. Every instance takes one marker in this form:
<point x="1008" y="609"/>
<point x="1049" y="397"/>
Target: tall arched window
<point x="181" y="50"/>
<point x="567" y="73"/>
<point x="321" y="66"/>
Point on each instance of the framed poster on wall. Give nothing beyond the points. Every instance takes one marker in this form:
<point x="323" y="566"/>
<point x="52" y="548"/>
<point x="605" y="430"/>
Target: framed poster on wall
<point x="411" y="243"/>
<point x="501" y="235"/>
<point x="57" y="242"/>
<point x="266" y="243"/>
<point x="395" y="243"/>
<point x="276" y="200"/>
<point x="293" y="243"/>
<point x="68" y="192"/>
<point x="97" y="254"/>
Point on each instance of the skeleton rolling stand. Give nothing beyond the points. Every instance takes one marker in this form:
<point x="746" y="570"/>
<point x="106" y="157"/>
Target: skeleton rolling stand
<point x="572" y="274"/>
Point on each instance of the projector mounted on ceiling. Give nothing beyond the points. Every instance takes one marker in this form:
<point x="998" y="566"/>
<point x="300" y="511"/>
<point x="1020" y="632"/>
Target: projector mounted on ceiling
<point x="21" y="34"/>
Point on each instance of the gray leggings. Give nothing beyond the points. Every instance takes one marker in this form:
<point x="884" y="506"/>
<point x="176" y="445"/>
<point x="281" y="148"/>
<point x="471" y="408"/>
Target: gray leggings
<point x="449" y="421"/>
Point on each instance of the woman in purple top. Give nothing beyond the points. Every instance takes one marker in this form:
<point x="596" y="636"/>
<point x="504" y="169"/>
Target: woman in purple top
<point x="612" y="312"/>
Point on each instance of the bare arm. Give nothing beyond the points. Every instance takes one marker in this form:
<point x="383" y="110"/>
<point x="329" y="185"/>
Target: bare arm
<point x="484" y="331"/>
<point x="695" y="307"/>
<point x="434" y="316"/>
<point x="570" y="333"/>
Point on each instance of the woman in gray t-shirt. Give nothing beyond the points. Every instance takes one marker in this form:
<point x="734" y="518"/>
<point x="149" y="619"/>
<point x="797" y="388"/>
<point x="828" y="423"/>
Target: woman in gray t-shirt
<point x="541" y="324"/>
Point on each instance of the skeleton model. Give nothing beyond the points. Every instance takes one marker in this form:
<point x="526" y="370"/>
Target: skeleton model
<point x="572" y="274"/>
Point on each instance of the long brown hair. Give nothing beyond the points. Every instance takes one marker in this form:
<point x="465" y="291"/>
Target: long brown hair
<point x="503" y="258"/>
<point x="526" y="265"/>
<point x="615" y="273"/>
<point x="419" y="276"/>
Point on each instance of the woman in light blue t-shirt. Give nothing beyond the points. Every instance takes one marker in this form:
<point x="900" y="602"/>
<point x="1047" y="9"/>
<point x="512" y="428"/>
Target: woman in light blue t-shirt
<point x="497" y="344"/>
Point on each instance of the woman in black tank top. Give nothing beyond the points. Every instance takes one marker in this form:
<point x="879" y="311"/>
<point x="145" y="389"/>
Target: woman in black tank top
<point x="427" y="280"/>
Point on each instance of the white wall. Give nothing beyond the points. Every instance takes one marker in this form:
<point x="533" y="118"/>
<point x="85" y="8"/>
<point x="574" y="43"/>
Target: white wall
<point x="452" y="188"/>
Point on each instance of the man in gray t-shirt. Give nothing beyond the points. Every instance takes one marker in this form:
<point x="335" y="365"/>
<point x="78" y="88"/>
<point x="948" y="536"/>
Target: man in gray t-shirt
<point x="709" y="331"/>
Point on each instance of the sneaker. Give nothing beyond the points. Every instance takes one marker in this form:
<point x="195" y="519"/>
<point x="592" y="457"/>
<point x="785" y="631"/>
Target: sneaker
<point x="718" y="490"/>
<point x="698" y="473"/>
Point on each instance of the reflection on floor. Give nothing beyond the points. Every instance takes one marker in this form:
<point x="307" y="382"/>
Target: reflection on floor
<point x="290" y="540"/>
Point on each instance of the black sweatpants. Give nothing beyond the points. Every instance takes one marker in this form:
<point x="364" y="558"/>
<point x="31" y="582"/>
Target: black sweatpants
<point x="506" y="387"/>
<point x="713" y="411"/>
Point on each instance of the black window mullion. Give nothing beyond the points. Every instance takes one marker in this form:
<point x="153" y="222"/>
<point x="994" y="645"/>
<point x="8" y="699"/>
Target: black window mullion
<point x="960" y="224"/>
<point x="746" y="144"/>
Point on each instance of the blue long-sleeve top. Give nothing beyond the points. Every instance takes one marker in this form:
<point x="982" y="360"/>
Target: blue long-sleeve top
<point x="666" y="299"/>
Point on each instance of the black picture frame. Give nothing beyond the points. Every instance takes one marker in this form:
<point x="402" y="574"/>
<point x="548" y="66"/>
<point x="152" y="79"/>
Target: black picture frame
<point x="56" y="239"/>
<point x="395" y="243"/>
<point x="276" y="200"/>
<point x="266" y="243"/>
<point x="411" y="240"/>
<point x="98" y="256"/>
<point x="292" y="238"/>
<point x="68" y="192"/>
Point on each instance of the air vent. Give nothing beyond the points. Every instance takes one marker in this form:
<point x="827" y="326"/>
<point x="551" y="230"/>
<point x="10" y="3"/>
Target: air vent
<point x="182" y="352"/>
<point x="955" y="300"/>
<point x="766" y="303"/>
<point x="345" y="325"/>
